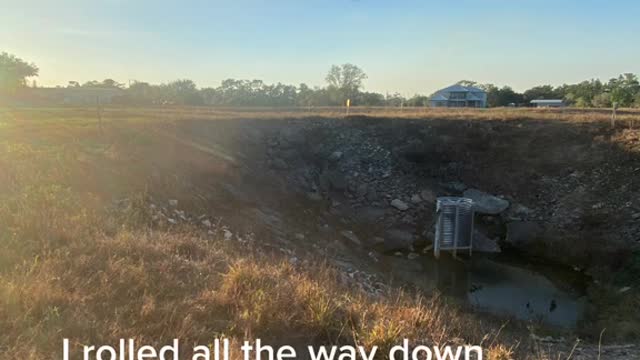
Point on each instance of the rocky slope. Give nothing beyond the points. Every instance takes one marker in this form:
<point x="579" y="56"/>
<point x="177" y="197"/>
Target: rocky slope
<point x="564" y="191"/>
<point x="352" y="190"/>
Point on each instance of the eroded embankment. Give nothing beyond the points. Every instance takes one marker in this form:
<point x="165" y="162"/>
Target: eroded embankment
<point x="552" y="192"/>
<point x="564" y="191"/>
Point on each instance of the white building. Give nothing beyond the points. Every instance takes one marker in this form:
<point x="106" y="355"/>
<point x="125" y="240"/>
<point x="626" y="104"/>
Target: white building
<point x="547" y="103"/>
<point x="459" y="96"/>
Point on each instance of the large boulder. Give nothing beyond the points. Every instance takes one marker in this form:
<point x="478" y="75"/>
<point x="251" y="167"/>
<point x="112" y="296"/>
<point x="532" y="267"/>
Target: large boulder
<point x="486" y="203"/>
<point x="523" y="234"/>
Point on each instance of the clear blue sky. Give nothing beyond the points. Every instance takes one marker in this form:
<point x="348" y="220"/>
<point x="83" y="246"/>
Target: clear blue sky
<point x="405" y="46"/>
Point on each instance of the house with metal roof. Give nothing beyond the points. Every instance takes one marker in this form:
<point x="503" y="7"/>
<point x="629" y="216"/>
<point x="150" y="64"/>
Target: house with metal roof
<point x="459" y="96"/>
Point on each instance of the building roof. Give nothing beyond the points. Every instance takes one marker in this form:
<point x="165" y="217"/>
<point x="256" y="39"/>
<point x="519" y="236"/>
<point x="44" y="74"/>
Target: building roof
<point x="549" y="101"/>
<point x="473" y="93"/>
<point x="460" y="88"/>
<point x="438" y="97"/>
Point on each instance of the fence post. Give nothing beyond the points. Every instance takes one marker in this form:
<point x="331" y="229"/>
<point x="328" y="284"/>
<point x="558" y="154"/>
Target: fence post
<point x="99" y="113"/>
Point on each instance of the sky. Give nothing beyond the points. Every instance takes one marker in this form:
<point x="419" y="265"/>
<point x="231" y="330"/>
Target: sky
<point x="410" y="47"/>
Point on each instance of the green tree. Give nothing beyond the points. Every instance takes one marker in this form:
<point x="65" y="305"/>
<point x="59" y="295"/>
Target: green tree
<point x="395" y="99"/>
<point x="467" y="83"/>
<point x="602" y="100"/>
<point x="184" y="92"/>
<point x="370" y="99"/>
<point x="110" y="83"/>
<point x="583" y="93"/>
<point x="305" y="95"/>
<point x="106" y="83"/>
<point x="418" y="100"/>
<point x="624" y="89"/>
<point x="91" y="83"/>
<point x="636" y="101"/>
<point x="501" y="96"/>
<point x="345" y="81"/>
<point x="140" y="92"/>
<point x="14" y="72"/>
<point x="541" y="92"/>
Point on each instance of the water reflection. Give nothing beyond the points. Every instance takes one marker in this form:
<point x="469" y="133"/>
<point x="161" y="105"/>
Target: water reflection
<point x="491" y="286"/>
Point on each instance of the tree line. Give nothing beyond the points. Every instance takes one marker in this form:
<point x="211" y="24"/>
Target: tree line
<point x="623" y="90"/>
<point x="342" y="82"/>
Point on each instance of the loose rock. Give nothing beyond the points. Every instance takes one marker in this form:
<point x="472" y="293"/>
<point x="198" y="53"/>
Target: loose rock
<point x="399" y="204"/>
<point x="428" y="196"/>
<point x="335" y="156"/>
<point x="485" y="203"/>
<point x="351" y="236"/>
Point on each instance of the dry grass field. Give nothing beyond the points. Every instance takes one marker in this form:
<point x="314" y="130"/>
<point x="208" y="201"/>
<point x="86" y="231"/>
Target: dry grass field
<point x="83" y="257"/>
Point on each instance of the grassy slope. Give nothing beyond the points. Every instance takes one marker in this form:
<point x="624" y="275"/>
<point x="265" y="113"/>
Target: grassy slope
<point x="70" y="267"/>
